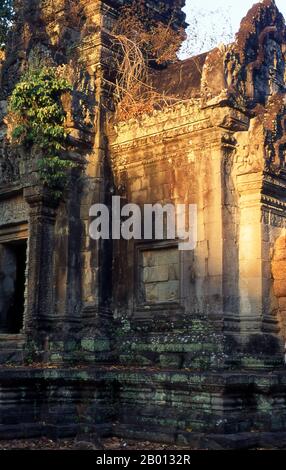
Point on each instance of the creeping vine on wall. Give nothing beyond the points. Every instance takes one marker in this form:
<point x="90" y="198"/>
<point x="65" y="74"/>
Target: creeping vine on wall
<point x="37" y="118"/>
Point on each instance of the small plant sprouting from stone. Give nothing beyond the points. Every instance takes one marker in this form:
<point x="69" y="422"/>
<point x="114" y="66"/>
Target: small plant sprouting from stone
<point x="124" y="326"/>
<point x="37" y="118"/>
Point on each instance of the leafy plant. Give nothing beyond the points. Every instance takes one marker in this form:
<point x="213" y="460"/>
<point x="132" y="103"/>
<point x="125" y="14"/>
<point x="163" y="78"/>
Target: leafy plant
<point x="37" y="118"/>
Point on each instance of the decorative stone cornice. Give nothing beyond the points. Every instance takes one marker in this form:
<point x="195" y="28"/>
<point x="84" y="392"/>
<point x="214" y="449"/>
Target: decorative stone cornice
<point x="126" y="138"/>
<point x="274" y="203"/>
<point x="40" y="196"/>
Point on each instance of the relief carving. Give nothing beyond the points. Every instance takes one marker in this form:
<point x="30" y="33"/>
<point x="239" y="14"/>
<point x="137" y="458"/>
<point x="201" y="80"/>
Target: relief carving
<point x="253" y="67"/>
<point x="275" y="136"/>
<point x="13" y="211"/>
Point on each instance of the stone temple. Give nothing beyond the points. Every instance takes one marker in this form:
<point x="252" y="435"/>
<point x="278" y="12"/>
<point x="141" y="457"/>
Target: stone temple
<point x="138" y="339"/>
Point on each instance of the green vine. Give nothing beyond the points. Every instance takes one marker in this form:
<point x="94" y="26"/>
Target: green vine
<point x="37" y="118"/>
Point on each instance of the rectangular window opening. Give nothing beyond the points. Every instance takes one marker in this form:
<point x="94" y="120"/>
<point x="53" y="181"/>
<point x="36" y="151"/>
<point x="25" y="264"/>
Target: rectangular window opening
<point x="12" y="286"/>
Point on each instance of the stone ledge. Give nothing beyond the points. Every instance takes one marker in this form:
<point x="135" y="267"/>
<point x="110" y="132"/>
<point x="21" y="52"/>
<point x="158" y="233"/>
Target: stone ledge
<point x="199" y="441"/>
<point x="208" y="409"/>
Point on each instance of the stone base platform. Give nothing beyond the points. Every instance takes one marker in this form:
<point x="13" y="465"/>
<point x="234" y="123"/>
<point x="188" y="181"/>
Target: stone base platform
<point x="230" y="410"/>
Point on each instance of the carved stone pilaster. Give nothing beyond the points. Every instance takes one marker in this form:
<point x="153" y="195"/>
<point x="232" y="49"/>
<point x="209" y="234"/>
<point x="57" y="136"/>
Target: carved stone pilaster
<point x="40" y="292"/>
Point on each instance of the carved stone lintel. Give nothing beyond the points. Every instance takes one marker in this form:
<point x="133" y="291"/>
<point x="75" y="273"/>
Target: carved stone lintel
<point x="13" y="211"/>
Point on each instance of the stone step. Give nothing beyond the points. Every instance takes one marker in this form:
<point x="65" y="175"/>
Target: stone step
<point x="11" y="349"/>
<point x="11" y="341"/>
<point x="11" y="356"/>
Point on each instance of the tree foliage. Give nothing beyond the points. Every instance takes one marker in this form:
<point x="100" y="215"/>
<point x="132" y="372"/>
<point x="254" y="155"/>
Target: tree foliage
<point x="37" y="118"/>
<point x="141" y="45"/>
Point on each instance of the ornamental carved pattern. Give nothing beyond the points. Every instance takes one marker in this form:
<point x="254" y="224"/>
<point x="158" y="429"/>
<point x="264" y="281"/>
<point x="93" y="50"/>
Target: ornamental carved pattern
<point x="13" y="211"/>
<point x="275" y="138"/>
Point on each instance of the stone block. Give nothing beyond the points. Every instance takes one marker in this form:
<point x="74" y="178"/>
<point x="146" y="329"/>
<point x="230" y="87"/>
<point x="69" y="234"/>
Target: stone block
<point x="168" y="291"/>
<point x="174" y="272"/>
<point x="149" y="258"/>
<point x="214" y="265"/>
<point x="249" y="268"/>
<point x="279" y="288"/>
<point x="280" y="248"/>
<point x="167" y="256"/>
<point x="279" y="270"/>
<point x="151" y="293"/>
<point x="282" y="303"/>
<point x="171" y="360"/>
<point x="135" y="185"/>
<point x="156" y="274"/>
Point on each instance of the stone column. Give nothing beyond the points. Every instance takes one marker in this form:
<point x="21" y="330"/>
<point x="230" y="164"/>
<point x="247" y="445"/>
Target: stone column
<point x="258" y="325"/>
<point x="230" y="224"/>
<point x="40" y="288"/>
<point x="214" y="233"/>
<point x="250" y="254"/>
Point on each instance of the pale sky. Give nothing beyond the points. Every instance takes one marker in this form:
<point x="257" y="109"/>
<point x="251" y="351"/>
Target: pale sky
<point x="217" y="21"/>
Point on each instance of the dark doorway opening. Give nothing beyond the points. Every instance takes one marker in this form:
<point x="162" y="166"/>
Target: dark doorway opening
<point x="12" y="286"/>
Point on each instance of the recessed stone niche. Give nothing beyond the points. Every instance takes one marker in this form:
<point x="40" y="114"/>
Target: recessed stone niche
<point x="159" y="275"/>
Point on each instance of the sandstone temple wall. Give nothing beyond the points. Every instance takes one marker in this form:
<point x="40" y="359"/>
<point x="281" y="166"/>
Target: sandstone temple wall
<point x="150" y="341"/>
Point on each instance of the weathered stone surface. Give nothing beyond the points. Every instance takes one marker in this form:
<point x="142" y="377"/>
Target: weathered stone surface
<point x="175" y="331"/>
<point x="13" y="211"/>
